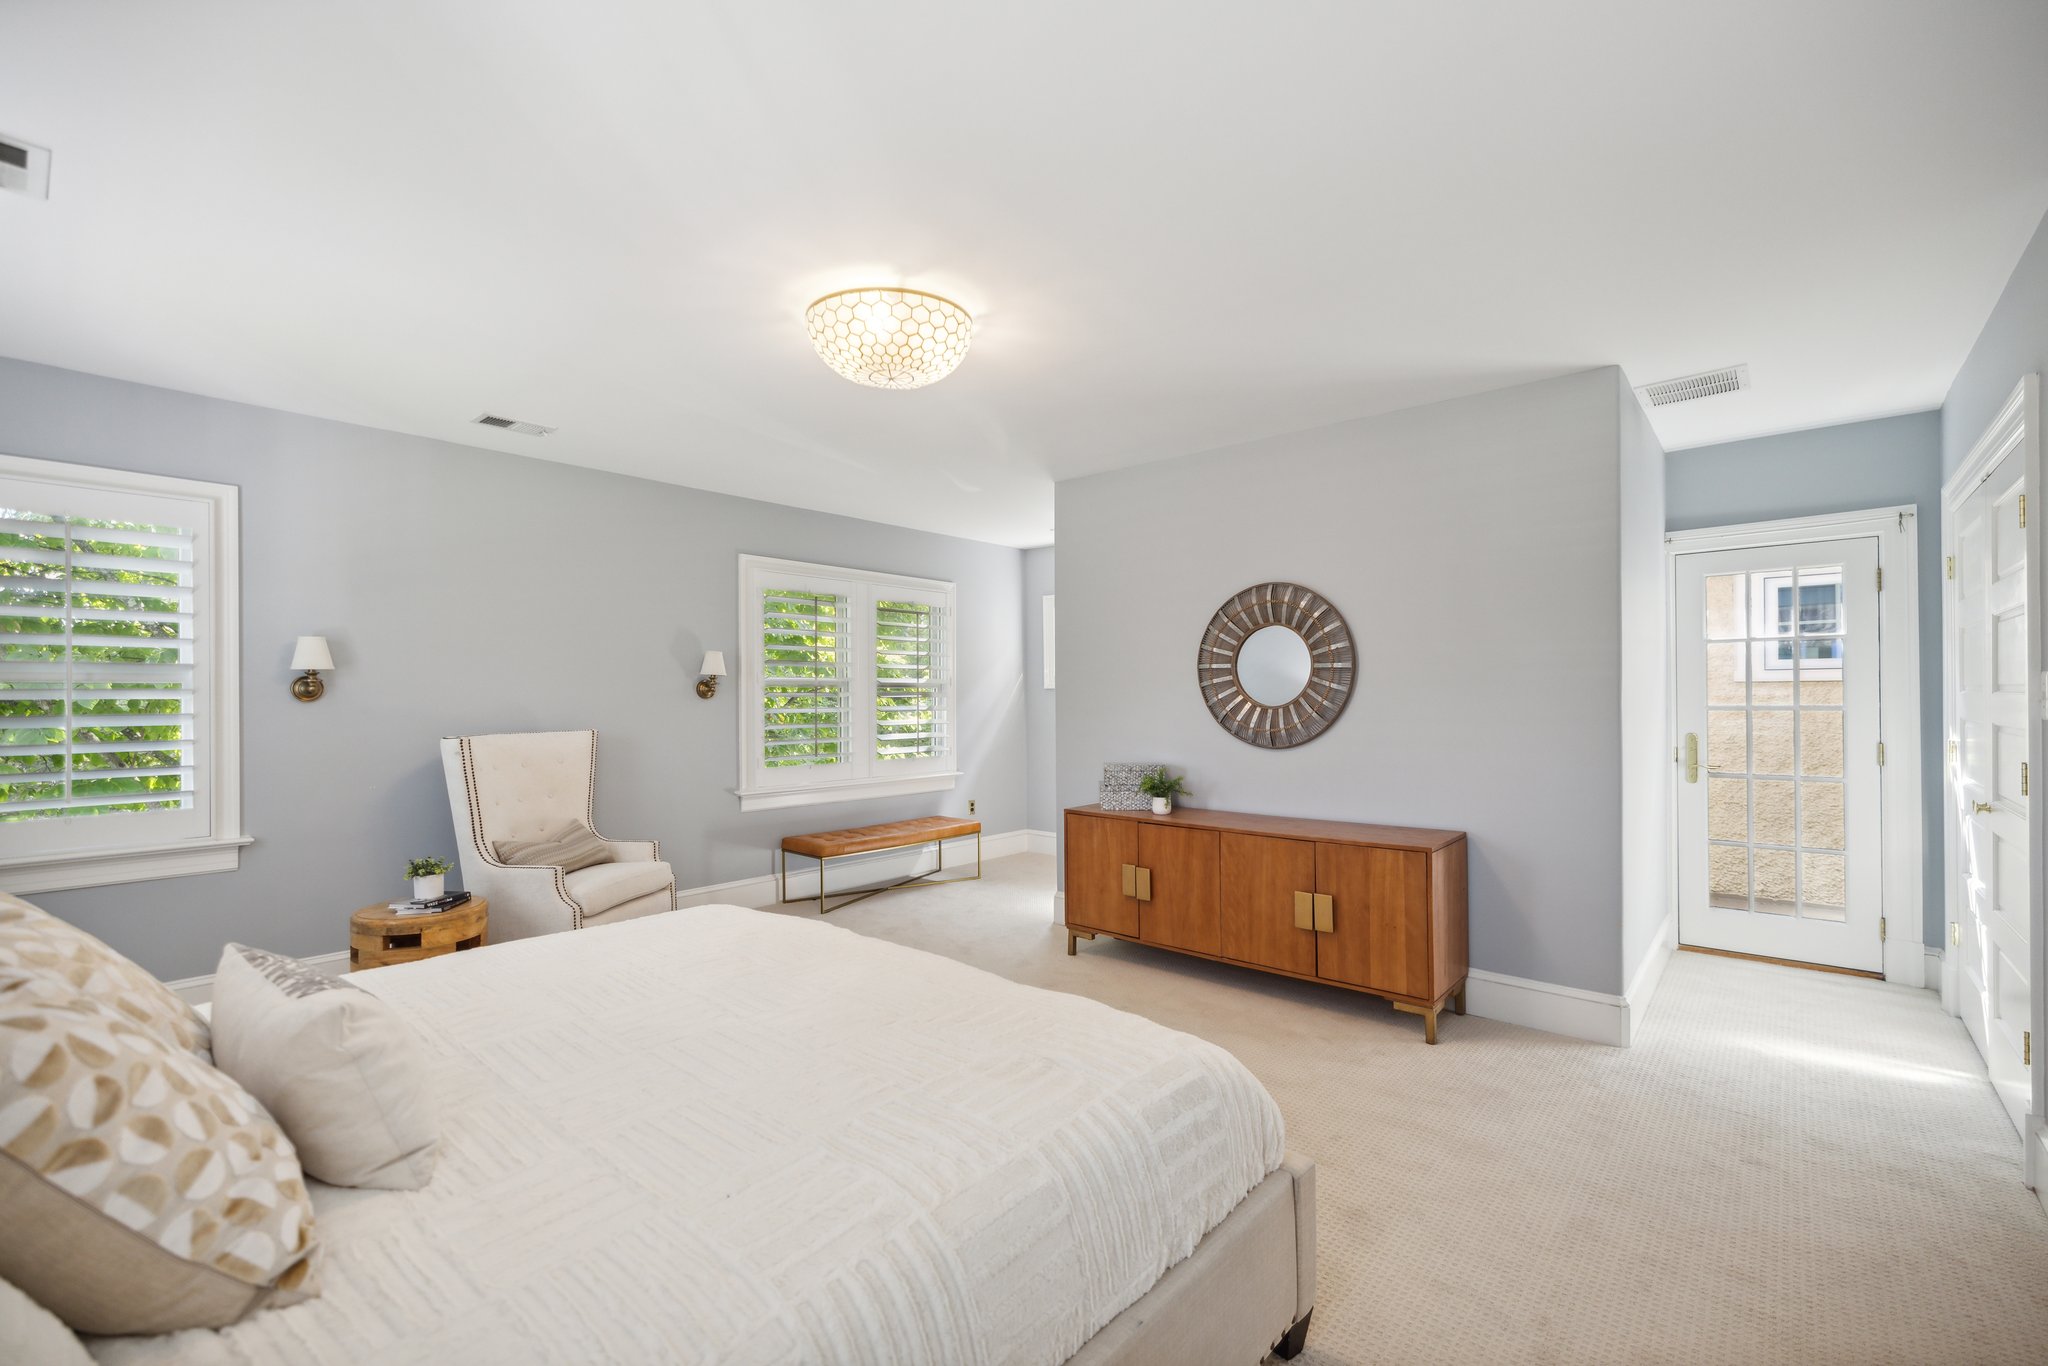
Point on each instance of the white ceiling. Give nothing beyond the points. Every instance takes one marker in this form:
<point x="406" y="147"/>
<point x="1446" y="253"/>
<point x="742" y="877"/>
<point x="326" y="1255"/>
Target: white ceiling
<point x="1179" y="225"/>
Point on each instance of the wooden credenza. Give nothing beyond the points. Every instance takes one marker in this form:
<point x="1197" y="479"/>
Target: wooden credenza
<point x="1374" y="908"/>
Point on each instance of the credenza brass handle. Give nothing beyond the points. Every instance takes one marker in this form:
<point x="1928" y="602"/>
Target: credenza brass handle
<point x="1326" y="914"/>
<point x="1130" y="879"/>
<point x="1304" y="910"/>
<point x="1144" y="884"/>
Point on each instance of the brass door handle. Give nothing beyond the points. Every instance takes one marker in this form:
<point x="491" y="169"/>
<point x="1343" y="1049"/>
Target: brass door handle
<point x="1304" y="910"/>
<point x="1130" y="879"/>
<point x="1144" y="884"/>
<point x="1325" y="913"/>
<point x="1692" y="757"/>
<point x="1983" y="807"/>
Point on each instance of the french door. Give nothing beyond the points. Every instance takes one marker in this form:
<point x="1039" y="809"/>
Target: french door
<point x="1779" y="850"/>
<point x="1989" y="779"/>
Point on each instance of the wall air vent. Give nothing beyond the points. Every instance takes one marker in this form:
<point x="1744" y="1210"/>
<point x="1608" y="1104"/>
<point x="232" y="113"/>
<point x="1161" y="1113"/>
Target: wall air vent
<point x="512" y="425"/>
<point x="24" y="168"/>
<point x="1686" y="388"/>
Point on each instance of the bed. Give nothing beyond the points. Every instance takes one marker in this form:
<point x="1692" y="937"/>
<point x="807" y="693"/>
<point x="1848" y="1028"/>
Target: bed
<point x="720" y="1135"/>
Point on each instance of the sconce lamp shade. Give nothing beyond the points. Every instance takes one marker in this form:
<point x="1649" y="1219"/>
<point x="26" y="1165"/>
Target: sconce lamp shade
<point x="714" y="664"/>
<point x="312" y="653"/>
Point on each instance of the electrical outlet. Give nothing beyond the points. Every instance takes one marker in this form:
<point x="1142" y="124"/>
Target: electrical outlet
<point x="970" y="806"/>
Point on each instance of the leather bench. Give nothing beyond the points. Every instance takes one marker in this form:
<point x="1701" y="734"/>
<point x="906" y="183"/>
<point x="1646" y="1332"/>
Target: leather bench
<point x="828" y="845"/>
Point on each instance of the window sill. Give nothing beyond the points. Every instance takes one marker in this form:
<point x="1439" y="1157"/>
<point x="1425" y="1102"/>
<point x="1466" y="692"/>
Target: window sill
<point x="776" y="798"/>
<point x="61" y="872"/>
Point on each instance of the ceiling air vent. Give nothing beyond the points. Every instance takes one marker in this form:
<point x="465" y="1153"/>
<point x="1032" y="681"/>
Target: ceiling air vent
<point x="24" y="168"/>
<point x="1686" y="388"/>
<point x="513" y="425"/>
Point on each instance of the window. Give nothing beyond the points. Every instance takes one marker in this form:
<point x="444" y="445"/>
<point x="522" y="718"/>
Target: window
<point x="846" y="684"/>
<point x="1816" y="611"/>
<point x="118" y="662"/>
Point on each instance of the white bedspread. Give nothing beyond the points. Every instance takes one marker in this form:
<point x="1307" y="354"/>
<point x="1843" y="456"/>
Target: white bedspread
<point x="727" y="1136"/>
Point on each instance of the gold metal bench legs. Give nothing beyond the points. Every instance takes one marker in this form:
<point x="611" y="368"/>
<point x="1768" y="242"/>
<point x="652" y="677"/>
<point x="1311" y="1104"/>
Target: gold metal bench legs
<point x="931" y="879"/>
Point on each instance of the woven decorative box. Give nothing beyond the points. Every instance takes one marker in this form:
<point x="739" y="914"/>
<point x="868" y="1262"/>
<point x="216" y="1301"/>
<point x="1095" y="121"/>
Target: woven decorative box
<point x="1119" y="791"/>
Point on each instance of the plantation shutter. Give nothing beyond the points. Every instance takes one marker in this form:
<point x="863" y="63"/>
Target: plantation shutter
<point x="99" y="667"/>
<point x="804" y="683"/>
<point x="910" y="718"/>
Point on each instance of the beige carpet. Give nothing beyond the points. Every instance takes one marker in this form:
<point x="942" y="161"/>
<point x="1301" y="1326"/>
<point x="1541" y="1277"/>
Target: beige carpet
<point x="1788" y="1167"/>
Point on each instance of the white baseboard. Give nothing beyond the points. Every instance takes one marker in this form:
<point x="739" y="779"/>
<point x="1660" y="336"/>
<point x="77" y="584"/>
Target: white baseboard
<point x="1642" y="986"/>
<point x="1059" y="908"/>
<point x="886" y="866"/>
<point x="1933" y="965"/>
<point x="1595" y="1016"/>
<point x="1041" y="842"/>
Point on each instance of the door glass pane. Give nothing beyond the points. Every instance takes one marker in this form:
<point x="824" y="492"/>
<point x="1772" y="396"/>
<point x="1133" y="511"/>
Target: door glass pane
<point x="1728" y="877"/>
<point x="1820" y="815"/>
<point x="1726" y="617"/>
<point x="1771" y="675"/>
<point x="1774" y="824"/>
<point x="1823" y="884"/>
<point x="1820" y="680"/>
<point x="1820" y="744"/>
<point x="1727" y="809"/>
<point x="1725" y="685"/>
<point x="1771" y="741"/>
<point x="1777" y="881"/>
<point x="1728" y="741"/>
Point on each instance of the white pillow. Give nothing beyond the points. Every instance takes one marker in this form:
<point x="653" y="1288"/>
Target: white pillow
<point x="334" y="1065"/>
<point x="33" y="1336"/>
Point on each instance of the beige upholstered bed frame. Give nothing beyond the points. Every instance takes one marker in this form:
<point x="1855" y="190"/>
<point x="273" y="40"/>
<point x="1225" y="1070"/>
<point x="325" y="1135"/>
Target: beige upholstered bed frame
<point x="1245" y="1291"/>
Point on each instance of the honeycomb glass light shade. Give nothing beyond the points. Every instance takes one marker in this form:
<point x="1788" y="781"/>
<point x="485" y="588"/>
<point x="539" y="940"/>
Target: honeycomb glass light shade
<point x="889" y="338"/>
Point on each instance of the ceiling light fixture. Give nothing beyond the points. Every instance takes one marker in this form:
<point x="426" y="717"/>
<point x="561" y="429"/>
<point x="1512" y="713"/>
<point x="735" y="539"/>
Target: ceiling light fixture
<point x="889" y="338"/>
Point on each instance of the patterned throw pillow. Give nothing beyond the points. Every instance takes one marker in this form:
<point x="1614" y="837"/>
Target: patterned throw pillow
<point x="59" y="960"/>
<point x="141" y="1189"/>
<point x="335" y="1065"/>
<point x="572" y="847"/>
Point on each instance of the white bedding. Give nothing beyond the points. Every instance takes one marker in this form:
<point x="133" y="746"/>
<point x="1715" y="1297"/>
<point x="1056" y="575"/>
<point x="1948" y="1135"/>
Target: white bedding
<point x="726" y="1136"/>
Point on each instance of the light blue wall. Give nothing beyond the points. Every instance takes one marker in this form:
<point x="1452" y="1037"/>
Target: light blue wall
<point x="1888" y="462"/>
<point x="2014" y="343"/>
<point x="1041" y="797"/>
<point x="466" y="590"/>
<point x="1475" y="548"/>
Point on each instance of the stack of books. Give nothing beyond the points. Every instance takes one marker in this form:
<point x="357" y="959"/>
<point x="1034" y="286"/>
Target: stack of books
<point x="439" y="903"/>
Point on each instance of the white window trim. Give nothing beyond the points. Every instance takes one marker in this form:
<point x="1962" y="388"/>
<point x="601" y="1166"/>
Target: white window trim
<point x="801" y="787"/>
<point x="217" y="514"/>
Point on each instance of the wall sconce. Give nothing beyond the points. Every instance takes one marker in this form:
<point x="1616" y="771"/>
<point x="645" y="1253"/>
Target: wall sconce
<point x="312" y="655"/>
<point x="712" y="671"/>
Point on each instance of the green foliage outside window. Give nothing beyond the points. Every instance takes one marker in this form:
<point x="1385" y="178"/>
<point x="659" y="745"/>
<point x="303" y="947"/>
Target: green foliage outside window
<point x="110" y="609"/>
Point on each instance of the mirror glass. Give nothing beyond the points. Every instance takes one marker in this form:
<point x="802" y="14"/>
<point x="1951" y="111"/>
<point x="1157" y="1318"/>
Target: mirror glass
<point x="1272" y="665"/>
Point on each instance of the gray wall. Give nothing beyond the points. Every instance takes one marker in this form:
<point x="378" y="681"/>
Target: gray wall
<point x="1883" y="463"/>
<point x="1645" y="769"/>
<point x="467" y="591"/>
<point x="1474" y="547"/>
<point x="2014" y="343"/>
<point x="1041" y="799"/>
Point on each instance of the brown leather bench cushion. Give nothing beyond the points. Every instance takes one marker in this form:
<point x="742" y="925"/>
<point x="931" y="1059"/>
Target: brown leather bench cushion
<point x="865" y="839"/>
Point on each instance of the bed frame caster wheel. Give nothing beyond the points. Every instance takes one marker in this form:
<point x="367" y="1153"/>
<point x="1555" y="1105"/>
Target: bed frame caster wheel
<point x="1289" y="1347"/>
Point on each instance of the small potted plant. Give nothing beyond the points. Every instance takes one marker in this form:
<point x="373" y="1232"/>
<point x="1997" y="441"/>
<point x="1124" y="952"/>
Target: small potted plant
<point x="1162" y="790"/>
<point x="429" y="877"/>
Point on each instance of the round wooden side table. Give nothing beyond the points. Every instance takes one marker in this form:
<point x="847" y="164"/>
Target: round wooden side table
<point x="379" y="936"/>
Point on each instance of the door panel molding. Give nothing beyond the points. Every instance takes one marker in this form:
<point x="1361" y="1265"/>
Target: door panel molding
<point x="2016" y="923"/>
<point x="1899" y="781"/>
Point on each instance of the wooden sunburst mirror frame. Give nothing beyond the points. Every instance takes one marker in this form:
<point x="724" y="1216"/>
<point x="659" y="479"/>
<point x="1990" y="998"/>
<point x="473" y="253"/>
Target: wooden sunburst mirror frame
<point x="1332" y="665"/>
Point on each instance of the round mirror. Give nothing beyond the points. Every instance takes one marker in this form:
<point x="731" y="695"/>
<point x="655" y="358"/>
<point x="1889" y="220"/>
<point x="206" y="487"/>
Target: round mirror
<point x="1276" y="665"/>
<point x="1272" y="666"/>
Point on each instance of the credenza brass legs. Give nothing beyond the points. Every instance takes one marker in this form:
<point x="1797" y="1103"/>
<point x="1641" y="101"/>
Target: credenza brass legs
<point x="1072" y="935"/>
<point x="1428" y="1014"/>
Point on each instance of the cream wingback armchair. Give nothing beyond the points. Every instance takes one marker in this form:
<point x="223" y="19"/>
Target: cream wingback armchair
<point x="530" y="787"/>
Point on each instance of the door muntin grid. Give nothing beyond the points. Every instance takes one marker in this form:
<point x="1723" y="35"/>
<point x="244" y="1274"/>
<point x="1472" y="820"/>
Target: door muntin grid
<point x="1776" y="803"/>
